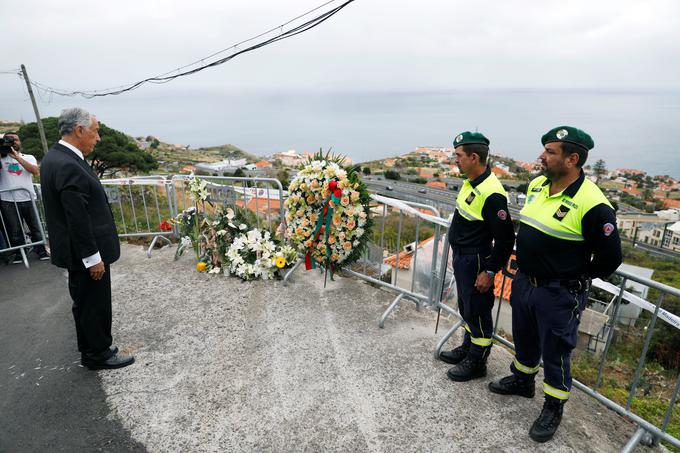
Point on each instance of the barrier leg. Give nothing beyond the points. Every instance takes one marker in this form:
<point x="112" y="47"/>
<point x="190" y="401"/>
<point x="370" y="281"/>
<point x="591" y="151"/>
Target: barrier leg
<point x="290" y="272"/>
<point x="153" y="243"/>
<point x="445" y="338"/>
<point x="389" y="310"/>
<point x="634" y="441"/>
<point x="24" y="257"/>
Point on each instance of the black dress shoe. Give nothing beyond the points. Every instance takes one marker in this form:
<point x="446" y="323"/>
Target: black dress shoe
<point x="114" y="349"/>
<point x="115" y="361"/>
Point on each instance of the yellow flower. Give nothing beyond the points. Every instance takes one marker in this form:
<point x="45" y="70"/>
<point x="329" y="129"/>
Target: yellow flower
<point x="280" y="262"/>
<point x="347" y="245"/>
<point x="200" y="266"/>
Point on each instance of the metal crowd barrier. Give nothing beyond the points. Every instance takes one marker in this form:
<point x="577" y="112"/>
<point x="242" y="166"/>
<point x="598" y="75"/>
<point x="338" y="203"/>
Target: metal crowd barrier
<point x="140" y="205"/>
<point x="5" y="233"/>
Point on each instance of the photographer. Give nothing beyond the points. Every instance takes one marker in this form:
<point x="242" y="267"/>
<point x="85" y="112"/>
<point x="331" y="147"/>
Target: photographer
<point x="16" y="172"/>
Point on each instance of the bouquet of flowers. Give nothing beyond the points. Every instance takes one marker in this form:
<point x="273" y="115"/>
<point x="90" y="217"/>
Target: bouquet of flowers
<point x="327" y="213"/>
<point x="254" y="255"/>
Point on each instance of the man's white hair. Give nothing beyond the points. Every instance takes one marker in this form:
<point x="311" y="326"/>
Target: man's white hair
<point x="70" y="118"/>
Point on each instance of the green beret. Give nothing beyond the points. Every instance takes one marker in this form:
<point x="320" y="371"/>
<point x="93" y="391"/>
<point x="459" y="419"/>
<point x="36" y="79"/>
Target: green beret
<point x="470" y="138"/>
<point x="570" y="135"/>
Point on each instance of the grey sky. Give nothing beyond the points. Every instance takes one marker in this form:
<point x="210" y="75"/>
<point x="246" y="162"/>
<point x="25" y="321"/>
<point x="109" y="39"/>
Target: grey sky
<point x="372" y="44"/>
<point x="382" y="45"/>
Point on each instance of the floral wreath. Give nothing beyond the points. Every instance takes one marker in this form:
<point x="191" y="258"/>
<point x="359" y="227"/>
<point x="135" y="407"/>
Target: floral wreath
<point x="327" y="214"/>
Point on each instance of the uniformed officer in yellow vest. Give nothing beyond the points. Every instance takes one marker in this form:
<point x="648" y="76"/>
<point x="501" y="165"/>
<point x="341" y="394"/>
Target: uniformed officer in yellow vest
<point x="567" y="236"/>
<point x="482" y="237"/>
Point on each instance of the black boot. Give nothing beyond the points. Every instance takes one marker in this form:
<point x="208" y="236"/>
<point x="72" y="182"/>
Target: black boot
<point x="470" y="368"/>
<point x="455" y="356"/>
<point x="547" y="423"/>
<point x="512" y="385"/>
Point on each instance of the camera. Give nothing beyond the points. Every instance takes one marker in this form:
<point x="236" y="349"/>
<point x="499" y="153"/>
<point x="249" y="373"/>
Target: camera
<point x="6" y="142"/>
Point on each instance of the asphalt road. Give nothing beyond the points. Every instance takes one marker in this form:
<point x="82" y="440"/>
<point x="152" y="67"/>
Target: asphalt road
<point x="48" y="402"/>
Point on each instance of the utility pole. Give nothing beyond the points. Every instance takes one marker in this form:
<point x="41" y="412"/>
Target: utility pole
<point x="41" y="130"/>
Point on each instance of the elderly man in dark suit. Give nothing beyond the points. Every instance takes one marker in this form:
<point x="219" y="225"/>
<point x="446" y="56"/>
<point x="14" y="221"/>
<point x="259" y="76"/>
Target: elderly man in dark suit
<point x="83" y="235"/>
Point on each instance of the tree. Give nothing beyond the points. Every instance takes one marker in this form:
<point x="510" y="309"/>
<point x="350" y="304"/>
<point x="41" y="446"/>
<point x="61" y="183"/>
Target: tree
<point x="366" y="170"/>
<point x="239" y="173"/>
<point x="600" y="169"/>
<point x="391" y="174"/>
<point x="282" y="176"/>
<point x="115" y="151"/>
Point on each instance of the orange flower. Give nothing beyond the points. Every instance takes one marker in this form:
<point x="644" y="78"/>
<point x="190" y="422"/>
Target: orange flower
<point x="201" y="266"/>
<point x="344" y="200"/>
<point x="347" y="245"/>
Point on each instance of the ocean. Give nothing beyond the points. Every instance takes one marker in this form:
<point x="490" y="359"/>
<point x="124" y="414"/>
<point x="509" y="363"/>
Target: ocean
<point x="630" y="129"/>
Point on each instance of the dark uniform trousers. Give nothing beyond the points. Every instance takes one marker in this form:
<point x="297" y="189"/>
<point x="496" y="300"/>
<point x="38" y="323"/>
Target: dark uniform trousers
<point x="545" y="321"/>
<point x="92" y="312"/>
<point x="474" y="307"/>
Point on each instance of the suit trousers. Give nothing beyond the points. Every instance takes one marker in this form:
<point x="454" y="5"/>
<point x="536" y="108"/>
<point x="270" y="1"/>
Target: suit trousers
<point x="92" y="313"/>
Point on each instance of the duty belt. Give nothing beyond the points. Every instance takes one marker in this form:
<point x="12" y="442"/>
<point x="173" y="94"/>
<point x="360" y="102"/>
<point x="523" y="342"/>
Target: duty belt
<point x="484" y="250"/>
<point x="575" y="284"/>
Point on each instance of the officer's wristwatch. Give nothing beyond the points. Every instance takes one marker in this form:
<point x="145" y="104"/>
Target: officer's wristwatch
<point x="491" y="274"/>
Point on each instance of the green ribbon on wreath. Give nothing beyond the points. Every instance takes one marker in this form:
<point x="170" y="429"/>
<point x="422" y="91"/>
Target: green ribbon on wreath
<point x="325" y="219"/>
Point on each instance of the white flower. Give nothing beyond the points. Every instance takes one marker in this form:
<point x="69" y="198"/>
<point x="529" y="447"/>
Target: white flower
<point x="186" y="241"/>
<point x="221" y="232"/>
<point x="242" y="226"/>
<point x="230" y="214"/>
<point x="215" y="270"/>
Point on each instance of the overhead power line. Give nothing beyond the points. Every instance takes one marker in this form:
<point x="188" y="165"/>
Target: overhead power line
<point x="202" y="64"/>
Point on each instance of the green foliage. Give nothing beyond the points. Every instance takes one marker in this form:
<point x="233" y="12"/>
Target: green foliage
<point x="666" y="339"/>
<point x="600" y="168"/>
<point x="392" y="174"/>
<point x="116" y="150"/>
<point x="420" y="180"/>
<point x="30" y="136"/>
<point x="282" y="176"/>
<point x="408" y="231"/>
<point x="366" y="170"/>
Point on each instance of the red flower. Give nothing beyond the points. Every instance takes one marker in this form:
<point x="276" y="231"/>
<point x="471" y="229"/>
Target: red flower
<point x="165" y="226"/>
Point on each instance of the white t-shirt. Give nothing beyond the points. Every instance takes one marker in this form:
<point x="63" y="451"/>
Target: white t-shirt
<point x="13" y="176"/>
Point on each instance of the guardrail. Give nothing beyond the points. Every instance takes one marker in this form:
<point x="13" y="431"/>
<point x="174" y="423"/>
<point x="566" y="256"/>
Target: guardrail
<point x="13" y="215"/>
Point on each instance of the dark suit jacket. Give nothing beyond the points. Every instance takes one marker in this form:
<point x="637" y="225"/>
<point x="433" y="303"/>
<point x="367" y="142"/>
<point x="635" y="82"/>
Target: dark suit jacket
<point x="79" y="219"/>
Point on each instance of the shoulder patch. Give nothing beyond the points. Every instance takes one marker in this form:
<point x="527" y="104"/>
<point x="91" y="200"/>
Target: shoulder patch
<point x="537" y="189"/>
<point x="470" y="198"/>
<point x="608" y="229"/>
<point x="502" y="214"/>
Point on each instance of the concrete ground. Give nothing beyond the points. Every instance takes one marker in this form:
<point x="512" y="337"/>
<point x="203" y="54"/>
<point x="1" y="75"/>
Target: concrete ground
<point x="225" y="365"/>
